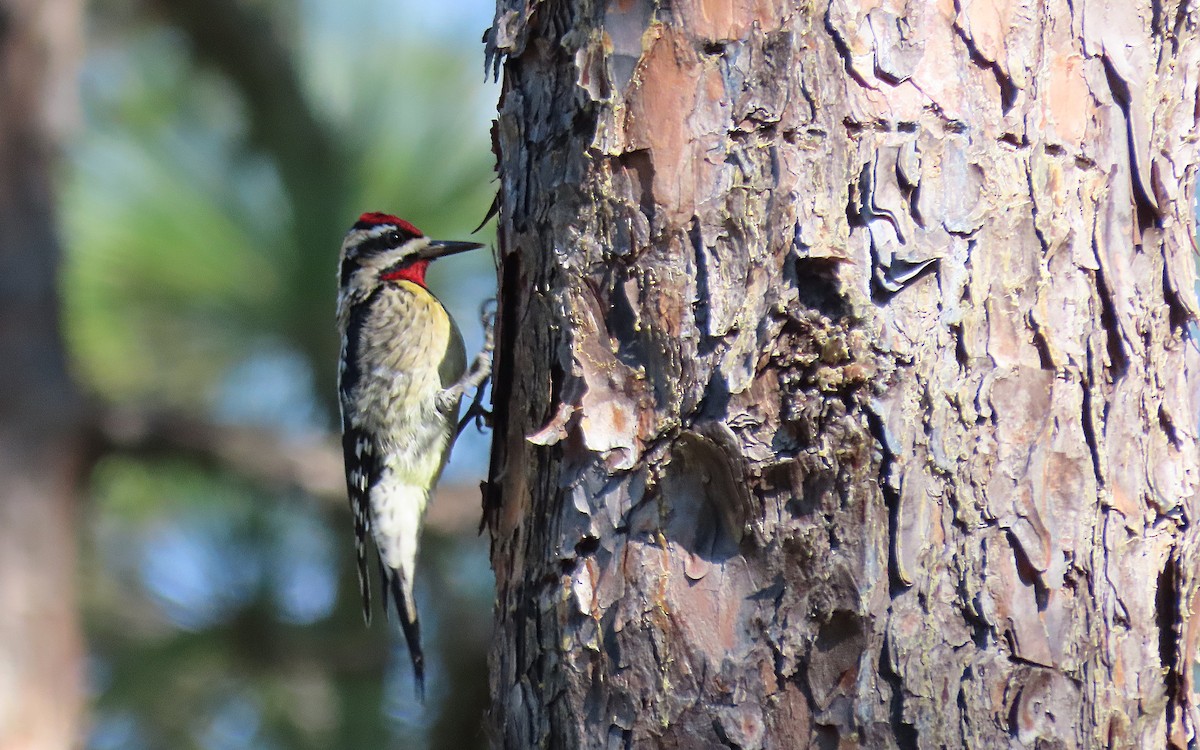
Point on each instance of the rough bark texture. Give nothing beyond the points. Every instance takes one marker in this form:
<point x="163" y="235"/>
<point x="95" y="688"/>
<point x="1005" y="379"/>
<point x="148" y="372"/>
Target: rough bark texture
<point x="41" y="666"/>
<point x="845" y="394"/>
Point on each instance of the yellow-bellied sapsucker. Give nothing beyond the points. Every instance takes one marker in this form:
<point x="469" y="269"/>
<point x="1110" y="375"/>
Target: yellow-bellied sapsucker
<point x="400" y="381"/>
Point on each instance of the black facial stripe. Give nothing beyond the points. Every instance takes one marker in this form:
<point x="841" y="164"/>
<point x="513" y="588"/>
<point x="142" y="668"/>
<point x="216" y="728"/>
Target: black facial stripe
<point x="394" y="237"/>
<point x="388" y="241"/>
<point x="375" y="245"/>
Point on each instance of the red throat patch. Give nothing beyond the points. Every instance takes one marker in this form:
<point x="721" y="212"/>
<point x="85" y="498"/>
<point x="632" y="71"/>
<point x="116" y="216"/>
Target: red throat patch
<point x="414" y="272"/>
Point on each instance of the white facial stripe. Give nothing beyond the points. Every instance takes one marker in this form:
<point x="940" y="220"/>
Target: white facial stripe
<point x="379" y="231"/>
<point x="358" y="236"/>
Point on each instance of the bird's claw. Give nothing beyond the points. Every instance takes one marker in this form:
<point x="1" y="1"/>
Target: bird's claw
<point x="476" y="412"/>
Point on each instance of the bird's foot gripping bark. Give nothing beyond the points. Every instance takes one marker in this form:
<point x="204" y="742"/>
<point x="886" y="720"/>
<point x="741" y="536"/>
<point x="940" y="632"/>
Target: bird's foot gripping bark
<point x="477" y="374"/>
<point x="476" y="412"/>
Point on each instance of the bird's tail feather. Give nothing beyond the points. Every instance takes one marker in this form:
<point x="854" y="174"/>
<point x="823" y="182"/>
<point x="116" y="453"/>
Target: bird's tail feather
<point x="364" y="581"/>
<point x="406" y="608"/>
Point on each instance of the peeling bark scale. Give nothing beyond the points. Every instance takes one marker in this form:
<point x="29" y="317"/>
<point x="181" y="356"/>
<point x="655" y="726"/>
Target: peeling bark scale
<point x="846" y="395"/>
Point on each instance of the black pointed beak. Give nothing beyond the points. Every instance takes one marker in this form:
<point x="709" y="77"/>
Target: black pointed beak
<point x="438" y="249"/>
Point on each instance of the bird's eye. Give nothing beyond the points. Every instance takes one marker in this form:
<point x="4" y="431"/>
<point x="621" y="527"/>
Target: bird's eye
<point x="393" y="238"/>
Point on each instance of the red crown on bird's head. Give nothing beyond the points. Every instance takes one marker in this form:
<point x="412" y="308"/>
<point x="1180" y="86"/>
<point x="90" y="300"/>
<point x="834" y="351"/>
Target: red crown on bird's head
<point x="378" y="218"/>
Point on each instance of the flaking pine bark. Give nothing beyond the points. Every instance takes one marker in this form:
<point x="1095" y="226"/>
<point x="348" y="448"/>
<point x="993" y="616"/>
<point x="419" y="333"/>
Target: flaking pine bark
<point x="846" y="389"/>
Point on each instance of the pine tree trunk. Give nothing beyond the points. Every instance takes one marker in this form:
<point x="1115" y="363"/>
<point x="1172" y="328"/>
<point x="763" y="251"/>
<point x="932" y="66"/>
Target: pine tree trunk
<point x="41" y="651"/>
<point x="846" y="392"/>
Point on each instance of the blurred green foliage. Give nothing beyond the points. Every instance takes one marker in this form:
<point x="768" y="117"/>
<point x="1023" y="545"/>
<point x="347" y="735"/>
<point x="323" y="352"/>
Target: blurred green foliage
<point x="199" y="279"/>
<point x="182" y="232"/>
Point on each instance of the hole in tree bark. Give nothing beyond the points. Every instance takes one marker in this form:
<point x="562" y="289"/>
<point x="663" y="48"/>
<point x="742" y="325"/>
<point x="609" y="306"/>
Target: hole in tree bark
<point x="587" y="546"/>
<point x="960" y="347"/>
<point x="1166" y="603"/>
<point x="816" y="283"/>
<point x="826" y="738"/>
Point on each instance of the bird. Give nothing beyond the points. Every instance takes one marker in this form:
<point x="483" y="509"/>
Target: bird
<point x="401" y="377"/>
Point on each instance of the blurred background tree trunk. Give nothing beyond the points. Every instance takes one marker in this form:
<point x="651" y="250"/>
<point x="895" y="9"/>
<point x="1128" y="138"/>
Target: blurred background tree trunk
<point x="41" y="416"/>
<point x="846" y="387"/>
